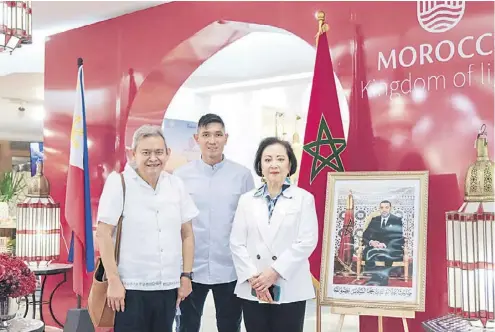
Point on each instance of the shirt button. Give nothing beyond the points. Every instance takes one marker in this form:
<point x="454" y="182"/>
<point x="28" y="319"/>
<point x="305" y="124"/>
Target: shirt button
<point x="159" y="230"/>
<point x="161" y="250"/>
<point x="274" y="258"/>
<point x="258" y="256"/>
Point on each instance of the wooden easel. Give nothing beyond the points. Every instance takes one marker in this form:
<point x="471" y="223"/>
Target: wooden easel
<point x="380" y="313"/>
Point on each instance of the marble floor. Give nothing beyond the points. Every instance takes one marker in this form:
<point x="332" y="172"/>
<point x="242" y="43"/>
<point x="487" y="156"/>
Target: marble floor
<point x="329" y="321"/>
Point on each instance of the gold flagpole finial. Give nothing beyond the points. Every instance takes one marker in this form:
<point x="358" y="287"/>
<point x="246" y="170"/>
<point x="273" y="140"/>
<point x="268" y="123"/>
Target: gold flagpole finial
<point x="320" y="15"/>
<point x="322" y="26"/>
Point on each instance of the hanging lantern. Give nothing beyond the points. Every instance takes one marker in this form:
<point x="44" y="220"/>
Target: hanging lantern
<point x="38" y="223"/>
<point x="471" y="244"/>
<point x="15" y="24"/>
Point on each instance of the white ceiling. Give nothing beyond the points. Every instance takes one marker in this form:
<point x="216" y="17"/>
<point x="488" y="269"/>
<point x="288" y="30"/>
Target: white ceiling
<point x="21" y="73"/>
<point x="51" y="17"/>
<point x="258" y="55"/>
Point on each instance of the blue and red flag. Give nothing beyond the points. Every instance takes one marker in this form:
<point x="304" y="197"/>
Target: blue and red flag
<point x="78" y="204"/>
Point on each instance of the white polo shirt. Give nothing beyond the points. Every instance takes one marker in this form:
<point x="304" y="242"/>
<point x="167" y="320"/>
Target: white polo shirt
<point x="151" y="243"/>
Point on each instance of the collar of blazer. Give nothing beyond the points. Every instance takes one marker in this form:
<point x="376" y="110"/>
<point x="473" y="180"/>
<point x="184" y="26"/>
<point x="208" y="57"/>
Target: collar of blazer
<point x="262" y="191"/>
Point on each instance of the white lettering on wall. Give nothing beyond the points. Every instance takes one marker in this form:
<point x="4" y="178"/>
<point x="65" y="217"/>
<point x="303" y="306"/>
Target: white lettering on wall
<point x="444" y="51"/>
<point x="405" y="86"/>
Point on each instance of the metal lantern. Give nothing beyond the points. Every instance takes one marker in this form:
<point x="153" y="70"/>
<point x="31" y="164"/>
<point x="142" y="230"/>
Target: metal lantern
<point x="15" y="24"/>
<point x="471" y="244"/>
<point x="38" y="223"/>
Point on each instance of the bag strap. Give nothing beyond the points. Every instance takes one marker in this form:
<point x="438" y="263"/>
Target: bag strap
<point x="119" y="224"/>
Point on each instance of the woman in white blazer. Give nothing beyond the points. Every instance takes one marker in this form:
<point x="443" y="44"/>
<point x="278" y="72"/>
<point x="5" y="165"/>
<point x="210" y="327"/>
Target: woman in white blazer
<point x="274" y="232"/>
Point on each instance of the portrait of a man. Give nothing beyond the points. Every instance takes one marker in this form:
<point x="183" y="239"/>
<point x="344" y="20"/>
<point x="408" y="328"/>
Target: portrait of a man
<point x="383" y="240"/>
<point x="374" y="238"/>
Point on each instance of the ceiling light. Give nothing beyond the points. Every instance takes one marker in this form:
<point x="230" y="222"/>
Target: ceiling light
<point x="15" y="24"/>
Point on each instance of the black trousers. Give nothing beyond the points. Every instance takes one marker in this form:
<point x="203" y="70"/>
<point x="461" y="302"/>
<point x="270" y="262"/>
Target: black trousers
<point x="147" y="311"/>
<point x="227" y="307"/>
<point x="262" y="317"/>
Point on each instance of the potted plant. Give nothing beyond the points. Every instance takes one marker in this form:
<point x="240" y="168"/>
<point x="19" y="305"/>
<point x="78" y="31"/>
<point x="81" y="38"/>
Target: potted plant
<point x="11" y="246"/>
<point x="11" y="185"/>
<point x="16" y="281"/>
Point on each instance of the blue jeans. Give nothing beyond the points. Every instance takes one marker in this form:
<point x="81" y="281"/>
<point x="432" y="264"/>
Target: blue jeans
<point x="228" y="308"/>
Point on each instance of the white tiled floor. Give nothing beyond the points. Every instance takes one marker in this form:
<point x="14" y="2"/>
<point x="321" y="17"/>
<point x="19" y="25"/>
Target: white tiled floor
<point x="329" y="321"/>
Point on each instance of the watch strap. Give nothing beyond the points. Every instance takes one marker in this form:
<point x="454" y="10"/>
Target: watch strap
<point x="186" y="274"/>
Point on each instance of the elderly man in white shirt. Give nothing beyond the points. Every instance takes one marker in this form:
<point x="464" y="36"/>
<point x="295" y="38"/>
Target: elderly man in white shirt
<point x="215" y="184"/>
<point x="156" y="240"/>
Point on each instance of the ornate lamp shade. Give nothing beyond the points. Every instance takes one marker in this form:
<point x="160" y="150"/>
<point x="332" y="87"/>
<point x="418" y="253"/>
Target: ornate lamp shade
<point x="38" y="223"/>
<point x="15" y="24"/>
<point x="471" y="244"/>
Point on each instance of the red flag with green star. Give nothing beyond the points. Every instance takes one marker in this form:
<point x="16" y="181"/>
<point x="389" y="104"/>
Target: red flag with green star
<point x="324" y="140"/>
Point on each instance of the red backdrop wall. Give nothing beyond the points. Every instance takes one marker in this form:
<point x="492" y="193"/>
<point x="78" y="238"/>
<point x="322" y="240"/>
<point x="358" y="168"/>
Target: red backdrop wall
<point x="162" y="45"/>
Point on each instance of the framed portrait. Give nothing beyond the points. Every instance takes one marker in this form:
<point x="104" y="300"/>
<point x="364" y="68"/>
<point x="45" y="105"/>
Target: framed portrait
<point x="374" y="241"/>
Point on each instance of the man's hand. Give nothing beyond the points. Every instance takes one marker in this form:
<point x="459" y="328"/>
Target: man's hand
<point x="116" y="294"/>
<point x="265" y="280"/>
<point x="378" y="245"/>
<point x="184" y="290"/>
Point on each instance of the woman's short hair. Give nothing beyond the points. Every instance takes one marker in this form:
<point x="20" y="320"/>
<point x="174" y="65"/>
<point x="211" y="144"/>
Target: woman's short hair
<point x="147" y="131"/>
<point x="271" y="141"/>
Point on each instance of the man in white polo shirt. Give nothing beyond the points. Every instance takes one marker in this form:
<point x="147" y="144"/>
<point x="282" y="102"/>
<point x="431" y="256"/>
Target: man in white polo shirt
<point x="215" y="184"/>
<point x="148" y="284"/>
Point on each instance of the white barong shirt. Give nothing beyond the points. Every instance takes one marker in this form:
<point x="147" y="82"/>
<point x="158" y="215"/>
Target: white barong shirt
<point x="151" y="242"/>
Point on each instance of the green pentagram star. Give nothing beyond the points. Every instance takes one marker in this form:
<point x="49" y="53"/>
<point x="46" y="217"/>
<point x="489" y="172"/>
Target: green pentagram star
<point x="349" y="228"/>
<point x="334" y="161"/>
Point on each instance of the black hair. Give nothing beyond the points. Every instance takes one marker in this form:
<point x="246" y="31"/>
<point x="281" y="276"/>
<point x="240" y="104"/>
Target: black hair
<point x="209" y="118"/>
<point x="271" y="141"/>
<point x="386" y="202"/>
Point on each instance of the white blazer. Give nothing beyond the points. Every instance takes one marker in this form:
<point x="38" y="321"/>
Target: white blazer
<point x="284" y="244"/>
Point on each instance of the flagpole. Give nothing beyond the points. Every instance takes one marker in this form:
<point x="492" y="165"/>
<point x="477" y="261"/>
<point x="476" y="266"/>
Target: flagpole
<point x="78" y="319"/>
<point x="79" y="64"/>
<point x="323" y="128"/>
<point x="322" y="27"/>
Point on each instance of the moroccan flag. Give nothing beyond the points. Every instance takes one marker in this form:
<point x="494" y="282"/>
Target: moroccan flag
<point x="324" y="141"/>
<point x="360" y="141"/>
<point x="77" y="201"/>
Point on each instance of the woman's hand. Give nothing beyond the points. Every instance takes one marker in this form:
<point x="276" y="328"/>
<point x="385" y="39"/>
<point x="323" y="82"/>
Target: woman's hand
<point x="264" y="296"/>
<point x="253" y="279"/>
<point x="265" y="280"/>
<point x="116" y="294"/>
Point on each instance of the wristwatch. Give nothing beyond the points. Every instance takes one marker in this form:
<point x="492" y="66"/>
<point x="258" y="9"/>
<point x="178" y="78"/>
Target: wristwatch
<point x="187" y="275"/>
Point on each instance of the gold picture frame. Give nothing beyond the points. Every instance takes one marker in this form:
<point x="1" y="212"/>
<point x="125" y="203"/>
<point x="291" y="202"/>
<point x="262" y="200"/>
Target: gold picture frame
<point x="371" y="258"/>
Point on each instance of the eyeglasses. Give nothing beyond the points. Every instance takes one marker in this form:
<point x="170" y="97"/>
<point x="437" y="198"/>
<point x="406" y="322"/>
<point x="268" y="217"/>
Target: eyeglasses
<point x="148" y="153"/>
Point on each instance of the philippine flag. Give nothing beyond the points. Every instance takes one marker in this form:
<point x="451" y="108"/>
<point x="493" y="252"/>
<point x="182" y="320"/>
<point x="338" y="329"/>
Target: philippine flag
<point x="77" y="204"/>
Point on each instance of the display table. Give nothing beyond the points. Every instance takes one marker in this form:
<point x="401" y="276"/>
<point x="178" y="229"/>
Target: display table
<point x="450" y="323"/>
<point x="44" y="272"/>
<point x="24" y="325"/>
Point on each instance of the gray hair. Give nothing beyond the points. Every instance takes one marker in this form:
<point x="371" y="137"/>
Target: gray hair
<point x="147" y="131"/>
